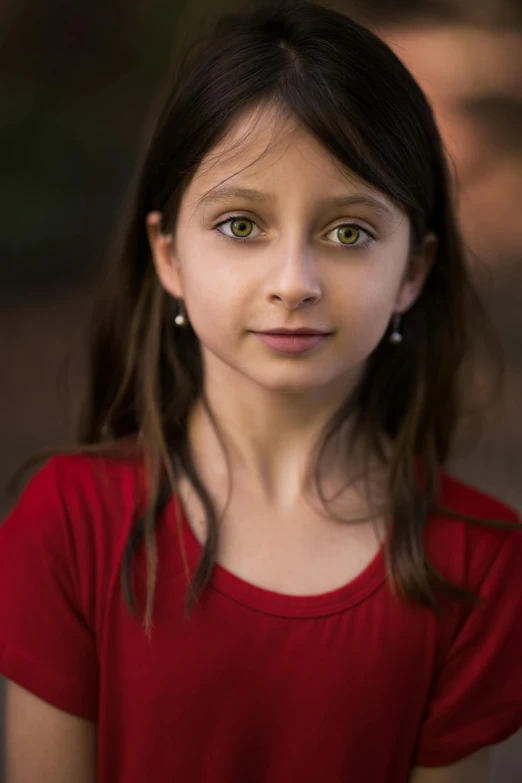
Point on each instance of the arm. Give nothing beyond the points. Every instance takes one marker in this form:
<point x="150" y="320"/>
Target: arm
<point x="472" y="769"/>
<point x="44" y="743"/>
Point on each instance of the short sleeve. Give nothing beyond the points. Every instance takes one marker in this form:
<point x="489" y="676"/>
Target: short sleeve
<point x="477" y="697"/>
<point x="46" y="645"/>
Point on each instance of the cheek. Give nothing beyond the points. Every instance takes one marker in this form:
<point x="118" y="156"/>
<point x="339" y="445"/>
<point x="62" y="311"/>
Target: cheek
<point x="367" y="297"/>
<point x="215" y="290"/>
<point x="365" y="324"/>
<point x="363" y="307"/>
<point x="213" y="302"/>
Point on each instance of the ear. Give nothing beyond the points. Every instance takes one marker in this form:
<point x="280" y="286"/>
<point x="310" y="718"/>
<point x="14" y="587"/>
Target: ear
<point x="163" y="255"/>
<point x="416" y="273"/>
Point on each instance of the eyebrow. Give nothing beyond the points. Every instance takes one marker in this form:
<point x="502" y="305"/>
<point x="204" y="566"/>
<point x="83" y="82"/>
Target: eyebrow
<point x="223" y="194"/>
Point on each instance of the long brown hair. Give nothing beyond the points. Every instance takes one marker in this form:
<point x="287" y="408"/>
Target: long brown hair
<point x="346" y="87"/>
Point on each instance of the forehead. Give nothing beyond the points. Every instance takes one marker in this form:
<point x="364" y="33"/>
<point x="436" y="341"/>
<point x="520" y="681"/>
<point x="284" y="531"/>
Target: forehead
<point x="267" y="149"/>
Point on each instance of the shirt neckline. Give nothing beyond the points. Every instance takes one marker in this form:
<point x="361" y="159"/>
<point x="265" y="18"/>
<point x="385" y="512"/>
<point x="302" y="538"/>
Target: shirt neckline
<point x="249" y="595"/>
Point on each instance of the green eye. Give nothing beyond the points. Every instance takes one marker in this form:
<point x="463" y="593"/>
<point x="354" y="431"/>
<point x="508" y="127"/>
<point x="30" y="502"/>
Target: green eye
<point x="241" y="227"/>
<point x="348" y="234"/>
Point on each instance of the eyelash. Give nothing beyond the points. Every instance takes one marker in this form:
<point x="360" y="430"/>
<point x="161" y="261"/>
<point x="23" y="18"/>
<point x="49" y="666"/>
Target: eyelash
<point x="369" y="237"/>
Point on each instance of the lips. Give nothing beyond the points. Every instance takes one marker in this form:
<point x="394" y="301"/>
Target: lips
<point x="294" y="342"/>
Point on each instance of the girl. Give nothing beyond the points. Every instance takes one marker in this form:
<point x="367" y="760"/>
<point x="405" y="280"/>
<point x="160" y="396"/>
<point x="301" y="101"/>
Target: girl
<point x="255" y="567"/>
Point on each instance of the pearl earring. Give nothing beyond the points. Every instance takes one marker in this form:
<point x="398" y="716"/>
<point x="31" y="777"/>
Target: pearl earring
<point x="396" y="336"/>
<point x="180" y="319"/>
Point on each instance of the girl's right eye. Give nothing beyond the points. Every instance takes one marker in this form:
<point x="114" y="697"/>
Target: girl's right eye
<point x="241" y="228"/>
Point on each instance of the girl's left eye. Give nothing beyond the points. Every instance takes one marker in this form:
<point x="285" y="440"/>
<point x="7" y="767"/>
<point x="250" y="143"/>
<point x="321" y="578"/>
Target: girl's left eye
<point x="349" y="235"/>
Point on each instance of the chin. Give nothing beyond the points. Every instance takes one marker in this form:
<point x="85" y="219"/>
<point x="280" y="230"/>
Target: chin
<point x="293" y="383"/>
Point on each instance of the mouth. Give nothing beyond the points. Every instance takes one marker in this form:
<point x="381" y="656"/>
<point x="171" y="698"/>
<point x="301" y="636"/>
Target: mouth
<point x="297" y="341"/>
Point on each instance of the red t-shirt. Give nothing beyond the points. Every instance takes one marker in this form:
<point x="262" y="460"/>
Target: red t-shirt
<point x="352" y="685"/>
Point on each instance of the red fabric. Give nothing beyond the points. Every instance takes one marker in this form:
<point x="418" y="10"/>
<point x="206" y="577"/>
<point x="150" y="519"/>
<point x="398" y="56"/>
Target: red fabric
<point x="353" y="685"/>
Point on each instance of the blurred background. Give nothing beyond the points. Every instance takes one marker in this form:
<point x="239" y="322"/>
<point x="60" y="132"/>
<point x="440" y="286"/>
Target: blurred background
<point x="80" y="86"/>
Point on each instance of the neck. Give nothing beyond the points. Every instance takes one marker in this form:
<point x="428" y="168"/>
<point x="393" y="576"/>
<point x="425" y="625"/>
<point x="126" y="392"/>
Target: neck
<point x="270" y="439"/>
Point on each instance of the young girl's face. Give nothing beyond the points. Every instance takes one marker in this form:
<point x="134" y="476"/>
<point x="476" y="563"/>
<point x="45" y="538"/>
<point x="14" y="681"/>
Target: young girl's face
<point x="278" y="236"/>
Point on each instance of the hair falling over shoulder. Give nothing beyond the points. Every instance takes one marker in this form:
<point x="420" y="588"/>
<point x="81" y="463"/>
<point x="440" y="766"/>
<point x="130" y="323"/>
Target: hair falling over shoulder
<point x="345" y="86"/>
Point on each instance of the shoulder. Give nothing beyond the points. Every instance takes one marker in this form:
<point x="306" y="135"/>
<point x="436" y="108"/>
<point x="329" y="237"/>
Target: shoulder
<point x="99" y="483"/>
<point x="475" y="699"/>
<point x="465" y="550"/>
<point x="468" y="499"/>
<point x="94" y="480"/>
<point x="65" y="535"/>
<point x="81" y="506"/>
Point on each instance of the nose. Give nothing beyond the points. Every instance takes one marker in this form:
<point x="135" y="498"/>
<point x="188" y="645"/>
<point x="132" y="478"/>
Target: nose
<point x="294" y="280"/>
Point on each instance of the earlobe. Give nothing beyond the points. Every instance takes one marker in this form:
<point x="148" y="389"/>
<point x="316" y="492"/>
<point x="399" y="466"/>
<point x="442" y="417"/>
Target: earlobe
<point x="162" y="250"/>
